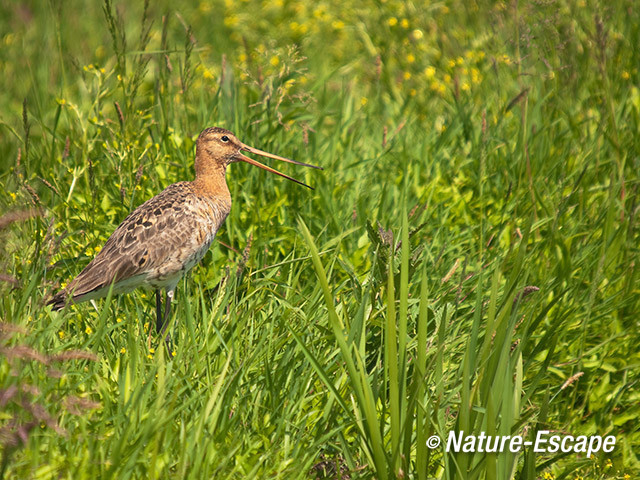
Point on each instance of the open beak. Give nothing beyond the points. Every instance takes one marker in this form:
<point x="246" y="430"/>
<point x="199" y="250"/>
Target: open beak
<point x="244" y="158"/>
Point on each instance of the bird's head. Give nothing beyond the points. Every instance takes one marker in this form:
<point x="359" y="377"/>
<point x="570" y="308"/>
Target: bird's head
<point x="217" y="148"/>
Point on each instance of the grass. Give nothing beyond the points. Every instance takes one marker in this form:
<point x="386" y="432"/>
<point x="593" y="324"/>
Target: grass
<point x="468" y="260"/>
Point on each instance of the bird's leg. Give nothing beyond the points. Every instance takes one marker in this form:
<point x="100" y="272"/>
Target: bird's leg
<point x="167" y="311"/>
<point x="158" y="310"/>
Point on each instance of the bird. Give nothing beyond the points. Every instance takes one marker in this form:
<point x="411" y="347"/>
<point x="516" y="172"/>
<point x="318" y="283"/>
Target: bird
<point x="167" y="235"/>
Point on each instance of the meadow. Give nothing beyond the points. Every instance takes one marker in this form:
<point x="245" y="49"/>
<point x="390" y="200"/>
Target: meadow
<point x="467" y="262"/>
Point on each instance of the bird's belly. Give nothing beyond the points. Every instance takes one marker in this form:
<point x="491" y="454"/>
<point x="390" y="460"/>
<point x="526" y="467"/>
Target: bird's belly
<point x="182" y="260"/>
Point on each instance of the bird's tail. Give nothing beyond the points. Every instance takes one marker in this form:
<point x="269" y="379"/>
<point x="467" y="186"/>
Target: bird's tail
<point x="58" y="301"/>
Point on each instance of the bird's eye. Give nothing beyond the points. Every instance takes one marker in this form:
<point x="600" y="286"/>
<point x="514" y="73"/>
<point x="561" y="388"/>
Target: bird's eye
<point x="224" y="138"/>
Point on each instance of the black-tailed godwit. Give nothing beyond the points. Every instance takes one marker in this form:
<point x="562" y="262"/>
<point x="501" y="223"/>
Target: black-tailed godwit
<point x="167" y="235"/>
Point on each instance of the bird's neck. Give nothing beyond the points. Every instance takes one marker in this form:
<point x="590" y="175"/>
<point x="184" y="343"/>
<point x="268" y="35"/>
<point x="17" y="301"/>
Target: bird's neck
<point x="210" y="181"/>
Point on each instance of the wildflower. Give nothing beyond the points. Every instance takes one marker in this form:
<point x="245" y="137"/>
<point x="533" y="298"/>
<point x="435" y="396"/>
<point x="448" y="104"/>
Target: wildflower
<point x="404" y="23"/>
<point x="430" y="72"/>
<point x="88" y="330"/>
<point x="61" y="334"/>
<point x="608" y="463"/>
<point x="411" y="58"/>
<point x="119" y="320"/>
<point x="89" y="251"/>
<point x="173" y="354"/>
<point x="337" y="24"/>
<point x="319" y="12"/>
<point x="413" y="92"/>
<point x="548" y="476"/>
<point x="12" y="195"/>
<point x="146" y="326"/>
<point x="406" y="75"/>
<point x="465" y="87"/>
<point x="275" y="61"/>
<point x="364" y="101"/>
<point x="230" y="20"/>
<point x="451" y="63"/>
<point x="417" y="34"/>
<point x="393" y="21"/>
<point x="459" y="60"/>
<point x="625" y="75"/>
<point x="475" y="75"/>
<point x="123" y="350"/>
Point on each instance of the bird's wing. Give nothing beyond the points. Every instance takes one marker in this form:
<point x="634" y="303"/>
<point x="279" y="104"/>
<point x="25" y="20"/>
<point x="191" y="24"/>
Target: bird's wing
<point x="153" y="231"/>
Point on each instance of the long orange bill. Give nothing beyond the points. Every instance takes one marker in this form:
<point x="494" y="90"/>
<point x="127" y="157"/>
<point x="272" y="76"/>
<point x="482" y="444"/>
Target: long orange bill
<point x="244" y="158"/>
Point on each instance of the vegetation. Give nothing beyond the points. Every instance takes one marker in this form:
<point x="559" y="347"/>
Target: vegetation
<point x="468" y="260"/>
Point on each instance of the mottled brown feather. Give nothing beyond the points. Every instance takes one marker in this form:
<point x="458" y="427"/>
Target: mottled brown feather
<point x="156" y="241"/>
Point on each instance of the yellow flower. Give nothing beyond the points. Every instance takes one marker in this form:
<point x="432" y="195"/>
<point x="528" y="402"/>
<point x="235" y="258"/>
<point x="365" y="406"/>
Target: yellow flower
<point x="173" y="354"/>
<point x="275" y="61"/>
<point x="146" y="326"/>
<point x="393" y="21"/>
<point x="475" y="75"/>
<point x="97" y="249"/>
<point x="413" y="92"/>
<point x="152" y="350"/>
<point x="150" y="357"/>
<point x="411" y="58"/>
<point x="406" y="75"/>
<point x="404" y="23"/>
<point x="451" y="63"/>
<point x="364" y="101"/>
<point x="430" y="72"/>
<point x="417" y="34"/>
<point x="123" y="350"/>
<point x="608" y="463"/>
<point x="625" y="75"/>
<point x="88" y="330"/>
<point x="337" y="24"/>
<point x="231" y="21"/>
<point x="61" y="334"/>
<point x="465" y="87"/>
<point x="119" y="320"/>
<point x="12" y="195"/>
<point x="459" y="60"/>
<point x="88" y="252"/>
